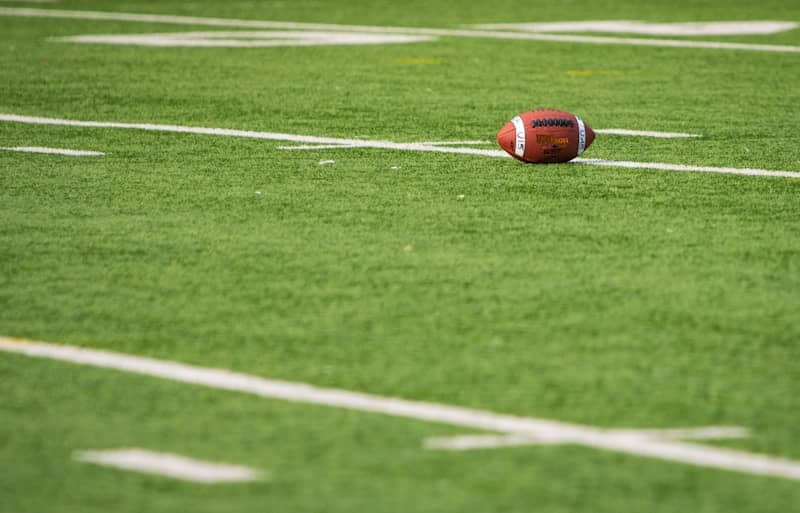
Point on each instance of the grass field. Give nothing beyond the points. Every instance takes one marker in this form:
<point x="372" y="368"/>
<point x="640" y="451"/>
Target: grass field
<point x="614" y="298"/>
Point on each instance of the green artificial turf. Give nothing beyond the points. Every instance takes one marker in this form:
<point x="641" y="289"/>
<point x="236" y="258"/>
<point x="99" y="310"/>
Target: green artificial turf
<point x="606" y="297"/>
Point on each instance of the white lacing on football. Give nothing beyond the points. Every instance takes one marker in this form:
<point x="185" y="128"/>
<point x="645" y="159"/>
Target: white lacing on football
<point x="581" y="135"/>
<point x="519" y="142"/>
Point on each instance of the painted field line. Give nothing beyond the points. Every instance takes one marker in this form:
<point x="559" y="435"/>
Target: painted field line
<point x="473" y="442"/>
<point x="307" y="147"/>
<point x="546" y="430"/>
<point x="707" y="28"/>
<point x="54" y="151"/>
<point x="169" y="465"/>
<point x="384" y="145"/>
<point x="262" y="39"/>
<point x="31" y="12"/>
<point x="341" y="146"/>
<point x="469" y="442"/>
<point x="455" y="143"/>
<point x="645" y="133"/>
<point x="660" y="166"/>
<point x="487" y="34"/>
<point x="249" y="134"/>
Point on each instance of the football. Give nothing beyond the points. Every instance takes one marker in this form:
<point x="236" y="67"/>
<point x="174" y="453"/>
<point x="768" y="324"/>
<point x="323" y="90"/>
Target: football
<point x="545" y="136"/>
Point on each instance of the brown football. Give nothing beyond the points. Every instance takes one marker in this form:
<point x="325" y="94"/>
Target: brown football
<point x="545" y="136"/>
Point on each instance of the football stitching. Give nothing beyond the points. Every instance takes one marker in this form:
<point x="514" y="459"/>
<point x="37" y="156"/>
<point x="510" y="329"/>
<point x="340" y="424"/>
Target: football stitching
<point x="565" y="122"/>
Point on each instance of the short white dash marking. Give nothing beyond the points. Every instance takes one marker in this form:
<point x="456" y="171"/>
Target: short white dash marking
<point x="336" y="142"/>
<point x="169" y="465"/>
<point x="645" y="133"/>
<point x="53" y="151"/>
<point x="326" y="162"/>
<point x="545" y="430"/>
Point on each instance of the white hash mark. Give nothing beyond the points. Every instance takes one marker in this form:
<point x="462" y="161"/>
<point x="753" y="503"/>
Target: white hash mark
<point x="53" y="151"/>
<point x="169" y="465"/>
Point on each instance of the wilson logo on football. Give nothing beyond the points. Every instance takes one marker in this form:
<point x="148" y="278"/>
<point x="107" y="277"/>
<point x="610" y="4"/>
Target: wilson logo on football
<point x="549" y="139"/>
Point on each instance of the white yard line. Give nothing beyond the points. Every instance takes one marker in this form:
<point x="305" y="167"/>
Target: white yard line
<point x="707" y="28"/>
<point x="337" y="142"/>
<point x="31" y="12"/>
<point x="53" y="151"/>
<point x="702" y="433"/>
<point x="455" y="143"/>
<point x="169" y="465"/>
<point x="513" y="35"/>
<point x="660" y="166"/>
<point x="543" y="429"/>
<point x="307" y="147"/>
<point x="645" y="133"/>
<point x="262" y="39"/>
<point x="340" y="146"/>
<point x="469" y="442"/>
<point x="473" y="442"/>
